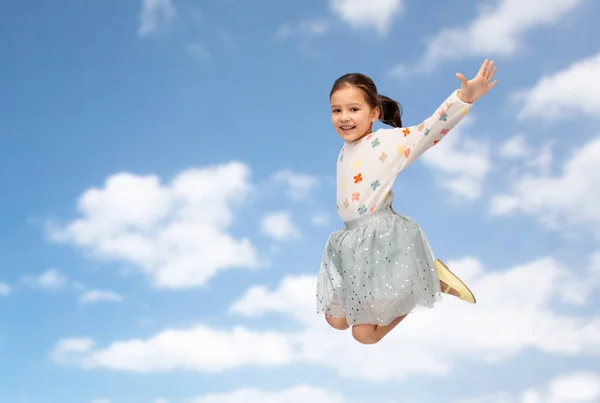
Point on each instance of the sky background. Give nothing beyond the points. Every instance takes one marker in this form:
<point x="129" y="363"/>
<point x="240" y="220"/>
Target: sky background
<point x="167" y="185"/>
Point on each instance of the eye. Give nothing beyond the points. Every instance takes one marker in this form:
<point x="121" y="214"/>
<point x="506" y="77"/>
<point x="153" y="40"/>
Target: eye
<point x="335" y="110"/>
<point x="354" y="109"/>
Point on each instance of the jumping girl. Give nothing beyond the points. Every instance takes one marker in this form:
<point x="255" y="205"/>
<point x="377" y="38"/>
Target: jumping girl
<point x="379" y="267"/>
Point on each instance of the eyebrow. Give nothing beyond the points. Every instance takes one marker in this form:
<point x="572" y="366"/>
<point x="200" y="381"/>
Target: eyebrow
<point x="351" y="104"/>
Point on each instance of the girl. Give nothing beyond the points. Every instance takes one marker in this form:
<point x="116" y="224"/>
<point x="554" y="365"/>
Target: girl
<point x="380" y="266"/>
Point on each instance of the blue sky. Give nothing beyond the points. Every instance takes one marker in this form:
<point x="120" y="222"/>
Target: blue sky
<point x="167" y="187"/>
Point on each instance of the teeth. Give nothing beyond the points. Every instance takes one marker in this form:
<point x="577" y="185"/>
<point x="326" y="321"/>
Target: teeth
<point x="347" y="127"/>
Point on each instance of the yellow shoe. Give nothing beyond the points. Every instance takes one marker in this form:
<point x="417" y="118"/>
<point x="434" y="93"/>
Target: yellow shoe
<point x="453" y="283"/>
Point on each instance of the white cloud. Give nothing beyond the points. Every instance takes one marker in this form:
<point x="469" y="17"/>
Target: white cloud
<point x="574" y="388"/>
<point x="289" y="299"/>
<point x="562" y="202"/>
<point x="372" y="14"/>
<point x="161" y="400"/>
<point x="175" y="233"/>
<point x="578" y="291"/>
<point x="489" y="398"/>
<point x="297" y="394"/>
<point x="100" y="296"/>
<point x="279" y="226"/>
<point x="579" y="387"/>
<point x="101" y="400"/>
<point x="199" y="348"/>
<point x="71" y="351"/>
<point x="50" y="280"/>
<point x="527" y="296"/>
<point x="198" y="50"/>
<point x="54" y="280"/>
<point x="4" y="289"/>
<point x="300" y="186"/>
<point x="515" y="147"/>
<point x="319" y="219"/>
<point x="472" y="333"/>
<point x="499" y="30"/>
<point x="306" y="29"/>
<point x="460" y="163"/>
<point x="572" y="92"/>
<point x="154" y="15"/>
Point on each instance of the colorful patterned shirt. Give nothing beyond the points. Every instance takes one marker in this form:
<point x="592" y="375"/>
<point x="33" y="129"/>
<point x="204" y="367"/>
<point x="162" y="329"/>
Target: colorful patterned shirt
<point x="367" y="168"/>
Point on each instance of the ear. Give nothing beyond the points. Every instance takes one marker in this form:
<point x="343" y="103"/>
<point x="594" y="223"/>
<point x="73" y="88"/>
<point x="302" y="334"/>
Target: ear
<point x="375" y="113"/>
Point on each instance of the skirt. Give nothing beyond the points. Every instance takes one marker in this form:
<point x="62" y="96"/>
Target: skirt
<point x="377" y="268"/>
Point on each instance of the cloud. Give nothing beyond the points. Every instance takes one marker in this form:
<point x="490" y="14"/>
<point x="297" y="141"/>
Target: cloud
<point x="101" y="400"/>
<point x="572" y="92"/>
<point x="154" y="15"/>
<point x="499" y="30"/>
<point x="91" y="296"/>
<point x="279" y="226"/>
<point x="198" y="50"/>
<point x="199" y="348"/>
<point x="4" y="289"/>
<point x="515" y="147"/>
<point x="175" y="233"/>
<point x="374" y="14"/>
<point x="472" y="333"/>
<point x="54" y="280"/>
<point x="50" y="280"/>
<point x="475" y="333"/>
<point x="306" y="29"/>
<point x="299" y="186"/>
<point x="578" y="387"/>
<point x="296" y="394"/>
<point x="290" y="298"/>
<point x="320" y="219"/>
<point x="565" y="201"/>
<point x="71" y="351"/>
<point x="459" y="163"/>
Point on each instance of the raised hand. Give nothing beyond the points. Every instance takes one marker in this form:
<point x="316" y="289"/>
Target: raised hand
<point x="479" y="85"/>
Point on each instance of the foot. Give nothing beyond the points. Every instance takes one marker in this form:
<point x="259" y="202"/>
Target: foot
<point x="450" y="290"/>
<point x="451" y="284"/>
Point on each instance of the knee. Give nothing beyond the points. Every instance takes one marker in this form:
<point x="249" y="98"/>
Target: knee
<point x="365" y="335"/>
<point x="337" y="323"/>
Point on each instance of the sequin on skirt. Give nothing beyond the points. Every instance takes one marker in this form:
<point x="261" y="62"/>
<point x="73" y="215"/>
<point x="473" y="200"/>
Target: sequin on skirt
<point x="377" y="268"/>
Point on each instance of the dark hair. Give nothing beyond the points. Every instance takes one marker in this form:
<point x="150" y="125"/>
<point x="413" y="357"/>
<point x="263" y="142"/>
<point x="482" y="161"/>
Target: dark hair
<point x="391" y="111"/>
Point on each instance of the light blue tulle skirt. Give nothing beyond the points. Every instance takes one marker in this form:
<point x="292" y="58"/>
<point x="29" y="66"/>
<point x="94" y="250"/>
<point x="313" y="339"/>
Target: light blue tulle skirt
<point x="377" y="268"/>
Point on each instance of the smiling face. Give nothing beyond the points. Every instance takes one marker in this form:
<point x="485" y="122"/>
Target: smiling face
<point x="351" y="114"/>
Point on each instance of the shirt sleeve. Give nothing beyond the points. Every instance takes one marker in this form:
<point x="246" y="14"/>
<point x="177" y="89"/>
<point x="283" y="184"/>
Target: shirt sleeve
<point x="411" y="142"/>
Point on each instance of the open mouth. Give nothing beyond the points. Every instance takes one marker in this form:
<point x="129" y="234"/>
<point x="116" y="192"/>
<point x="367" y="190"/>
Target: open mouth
<point x="347" y="128"/>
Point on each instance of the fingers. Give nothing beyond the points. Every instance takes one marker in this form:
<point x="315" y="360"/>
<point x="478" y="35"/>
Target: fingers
<point x="487" y="69"/>
<point x="483" y="69"/>
<point x="490" y="72"/>
<point x="492" y="85"/>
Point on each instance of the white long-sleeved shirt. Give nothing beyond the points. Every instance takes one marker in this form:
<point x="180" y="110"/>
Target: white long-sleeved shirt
<point x="367" y="168"/>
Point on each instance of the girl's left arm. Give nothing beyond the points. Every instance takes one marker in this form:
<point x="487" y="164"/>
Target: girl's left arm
<point x="413" y="141"/>
<point x="420" y="138"/>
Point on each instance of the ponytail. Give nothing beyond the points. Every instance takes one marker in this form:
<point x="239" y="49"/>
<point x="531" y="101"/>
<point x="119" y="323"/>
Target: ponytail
<point x="391" y="111"/>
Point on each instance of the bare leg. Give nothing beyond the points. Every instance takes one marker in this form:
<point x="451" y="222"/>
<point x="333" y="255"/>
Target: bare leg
<point x="337" y="323"/>
<point x="372" y="334"/>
